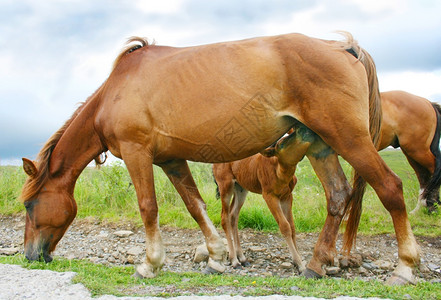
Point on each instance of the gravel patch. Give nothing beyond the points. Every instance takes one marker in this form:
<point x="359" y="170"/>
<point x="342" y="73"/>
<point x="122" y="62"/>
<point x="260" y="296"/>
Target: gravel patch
<point x="123" y="244"/>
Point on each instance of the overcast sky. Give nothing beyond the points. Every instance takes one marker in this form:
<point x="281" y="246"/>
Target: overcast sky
<point x="56" y="53"/>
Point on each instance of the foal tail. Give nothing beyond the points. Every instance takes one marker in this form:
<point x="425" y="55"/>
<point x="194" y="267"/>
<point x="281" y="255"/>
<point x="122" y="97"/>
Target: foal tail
<point x="431" y="191"/>
<point x="354" y="204"/>
<point x="217" y="187"/>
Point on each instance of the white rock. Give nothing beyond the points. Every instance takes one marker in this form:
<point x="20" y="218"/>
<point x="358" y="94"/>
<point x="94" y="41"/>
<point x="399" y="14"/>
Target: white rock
<point x="123" y="233"/>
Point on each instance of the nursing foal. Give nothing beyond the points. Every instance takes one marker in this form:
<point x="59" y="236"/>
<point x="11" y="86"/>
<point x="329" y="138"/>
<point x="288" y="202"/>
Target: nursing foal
<point x="271" y="174"/>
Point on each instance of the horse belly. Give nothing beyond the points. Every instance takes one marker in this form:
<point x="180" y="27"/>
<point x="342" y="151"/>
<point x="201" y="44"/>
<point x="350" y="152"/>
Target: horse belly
<point x="220" y="139"/>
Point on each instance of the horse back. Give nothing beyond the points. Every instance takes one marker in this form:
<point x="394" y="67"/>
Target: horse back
<point x="408" y="120"/>
<point x="218" y="102"/>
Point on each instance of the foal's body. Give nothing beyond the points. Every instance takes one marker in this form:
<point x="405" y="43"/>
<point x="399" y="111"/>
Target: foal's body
<point x="272" y="175"/>
<point x="161" y="105"/>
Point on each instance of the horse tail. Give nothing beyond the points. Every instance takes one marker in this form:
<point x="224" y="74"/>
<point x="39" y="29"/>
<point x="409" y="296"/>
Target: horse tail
<point x="217" y="187"/>
<point x="431" y="191"/>
<point x="354" y="205"/>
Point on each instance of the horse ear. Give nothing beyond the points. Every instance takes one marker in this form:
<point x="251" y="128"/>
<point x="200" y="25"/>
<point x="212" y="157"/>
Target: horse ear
<point x="29" y="167"/>
<point x="268" y="152"/>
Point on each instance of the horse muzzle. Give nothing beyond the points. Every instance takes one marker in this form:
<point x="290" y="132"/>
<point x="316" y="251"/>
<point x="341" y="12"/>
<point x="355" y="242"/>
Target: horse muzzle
<point x="38" y="252"/>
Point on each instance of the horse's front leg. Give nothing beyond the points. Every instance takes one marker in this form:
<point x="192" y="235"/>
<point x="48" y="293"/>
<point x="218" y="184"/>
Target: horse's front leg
<point x="141" y="171"/>
<point x="180" y="175"/>
<point x="337" y="190"/>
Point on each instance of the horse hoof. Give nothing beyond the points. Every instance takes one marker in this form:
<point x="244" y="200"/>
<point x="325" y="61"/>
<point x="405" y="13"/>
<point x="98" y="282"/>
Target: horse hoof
<point x="138" y="275"/>
<point x="246" y="264"/>
<point x="144" y="271"/>
<point x="210" y="271"/>
<point x="310" y="274"/>
<point x="218" y="266"/>
<point x="399" y="280"/>
<point x="432" y="209"/>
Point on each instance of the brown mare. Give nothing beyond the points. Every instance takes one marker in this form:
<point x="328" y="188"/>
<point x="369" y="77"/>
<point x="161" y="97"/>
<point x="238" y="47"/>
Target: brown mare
<point x="414" y="124"/>
<point x="161" y="105"/>
<point x="272" y="175"/>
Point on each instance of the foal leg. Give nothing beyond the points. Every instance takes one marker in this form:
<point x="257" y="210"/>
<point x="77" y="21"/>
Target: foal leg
<point x="286" y="227"/>
<point x="141" y="171"/>
<point x="286" y="206"/>
<point x="180" y="175"/>
<point x="226" y="190"/>
<point x="238" y="200"/>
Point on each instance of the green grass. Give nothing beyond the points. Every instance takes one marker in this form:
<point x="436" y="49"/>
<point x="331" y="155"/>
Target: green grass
<point x="107" y="193"/>
<point x="100" y="280"/>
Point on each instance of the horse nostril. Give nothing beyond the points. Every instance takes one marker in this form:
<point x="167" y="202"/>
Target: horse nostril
<point x="47" y="258"/>
<point x="32" y="256"/>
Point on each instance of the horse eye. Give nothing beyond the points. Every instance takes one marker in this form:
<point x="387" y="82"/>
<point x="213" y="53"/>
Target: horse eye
<point x="29" y="204"/>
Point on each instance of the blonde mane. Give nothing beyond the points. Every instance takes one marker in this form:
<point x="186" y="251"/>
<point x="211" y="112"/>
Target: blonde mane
<point x="33" y="184"/>
<point x="140" y="43"/>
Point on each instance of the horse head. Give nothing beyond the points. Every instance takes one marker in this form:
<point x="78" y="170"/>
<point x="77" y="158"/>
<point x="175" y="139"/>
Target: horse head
<point x="49" y="212"/>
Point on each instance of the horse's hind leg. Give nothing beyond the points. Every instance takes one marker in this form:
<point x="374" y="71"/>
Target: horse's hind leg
<point x="423" y="163"/>
<point x="362" y="155"/>
<point x="142" y="177"/>
<point x="337" y="189"/>
<point x="180" y="175"/>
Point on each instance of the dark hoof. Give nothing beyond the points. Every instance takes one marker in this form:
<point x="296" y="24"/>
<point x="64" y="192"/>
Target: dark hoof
<point x="237" y="267"/>
<point x="246" y="264"/>
<point x="210" y="271"/>
<point x="310" y="274"/>
<point x="47" y="258"/>
<point x="432" y="209"/>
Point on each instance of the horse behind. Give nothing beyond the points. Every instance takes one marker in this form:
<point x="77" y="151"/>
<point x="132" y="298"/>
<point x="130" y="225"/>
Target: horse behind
<point x="414" y="124"/>
<point x="161" y="105"/>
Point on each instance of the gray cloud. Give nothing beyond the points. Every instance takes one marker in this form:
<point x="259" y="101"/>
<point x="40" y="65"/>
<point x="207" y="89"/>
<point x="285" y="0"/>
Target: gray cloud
<point x="45" y="46"/>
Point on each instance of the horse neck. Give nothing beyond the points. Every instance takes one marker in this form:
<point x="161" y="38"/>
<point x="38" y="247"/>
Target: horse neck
<point x="77" y="147"/>
<point x="285" y="172"/>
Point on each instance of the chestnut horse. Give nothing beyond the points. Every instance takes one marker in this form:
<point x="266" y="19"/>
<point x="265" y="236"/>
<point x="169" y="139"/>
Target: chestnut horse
<point x="161" y="105"/>
<point x="414" y="123"/>
<point x="271" y="174"/>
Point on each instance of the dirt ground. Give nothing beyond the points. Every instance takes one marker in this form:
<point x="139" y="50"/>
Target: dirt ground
<point x="376" y="256"/>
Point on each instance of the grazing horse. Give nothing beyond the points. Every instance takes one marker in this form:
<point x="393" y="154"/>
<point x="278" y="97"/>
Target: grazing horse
<point x="215" y="103"/>
<point x="414" y="124"/>
<point x="271" y="173"/>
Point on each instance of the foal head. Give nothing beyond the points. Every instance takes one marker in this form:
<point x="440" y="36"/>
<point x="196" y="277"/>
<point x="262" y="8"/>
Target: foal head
<point x="50" y="210"/>
<point x="291" y="148"/>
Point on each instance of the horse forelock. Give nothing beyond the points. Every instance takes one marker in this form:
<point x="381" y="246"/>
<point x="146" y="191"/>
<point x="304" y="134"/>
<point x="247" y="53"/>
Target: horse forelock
<point x="140" y="43"/>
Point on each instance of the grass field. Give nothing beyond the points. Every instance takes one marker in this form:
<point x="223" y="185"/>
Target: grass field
<point x="107" y="193"/>
<point x="101" y="280"/>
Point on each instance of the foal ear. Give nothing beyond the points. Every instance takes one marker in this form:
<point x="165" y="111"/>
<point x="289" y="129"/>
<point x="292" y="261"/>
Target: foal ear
<point x="29" y="167"/>
<point x="268" y="152"/>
